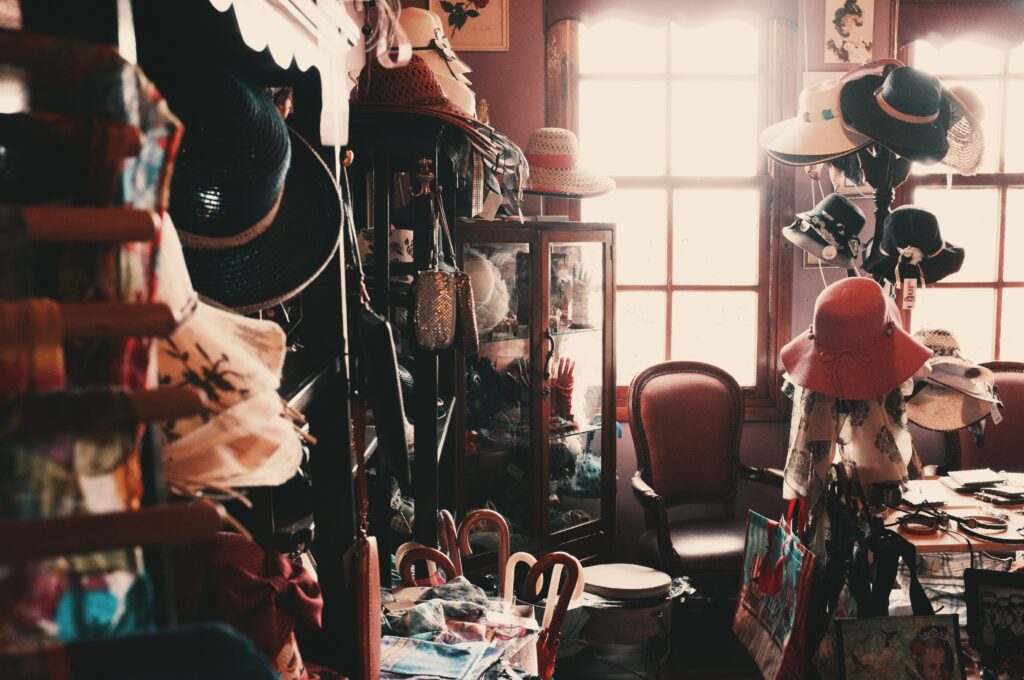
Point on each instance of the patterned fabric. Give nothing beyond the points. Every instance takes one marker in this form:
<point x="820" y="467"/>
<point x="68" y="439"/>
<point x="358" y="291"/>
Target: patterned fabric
<point x="31" y="354"/>
<point x="409" y="659"/>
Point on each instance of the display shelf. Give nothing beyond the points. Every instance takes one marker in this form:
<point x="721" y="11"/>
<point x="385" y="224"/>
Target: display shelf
<point x="520" y="335"/>
<point x="575" y="331"/>
<point x="565" y="434"/>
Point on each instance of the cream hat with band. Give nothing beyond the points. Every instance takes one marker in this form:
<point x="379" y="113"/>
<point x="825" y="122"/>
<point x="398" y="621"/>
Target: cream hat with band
<point x="957" y="393"/>
<point x="429" y="42"/>
<point x="816" y="133"/>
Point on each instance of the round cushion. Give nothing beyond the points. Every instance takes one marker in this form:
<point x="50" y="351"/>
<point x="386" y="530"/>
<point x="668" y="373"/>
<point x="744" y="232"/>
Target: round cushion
<point x="626" y="581"/>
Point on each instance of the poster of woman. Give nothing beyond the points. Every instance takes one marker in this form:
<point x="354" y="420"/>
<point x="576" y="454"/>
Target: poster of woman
<point x="849" y="26"/>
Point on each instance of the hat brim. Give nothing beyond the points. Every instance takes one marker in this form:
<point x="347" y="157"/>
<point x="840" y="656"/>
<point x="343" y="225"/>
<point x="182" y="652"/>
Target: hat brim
<point x="946" y="263"/>
<point x="945" y="410"/>
<point x="883" y="267"/>
<point x="277" y="264"/>
<point x="474" y="129"/>
<point x="567" y="182"/>
<point x="808" y="241"/>
<point x="887" y="363"/>
<point x="799" y="161"/>
<point x="440" y="65"/>
<point x="921" y="142"/>
<point x="822" y="139"/>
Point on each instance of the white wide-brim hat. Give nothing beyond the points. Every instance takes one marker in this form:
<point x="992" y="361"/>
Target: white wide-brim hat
<point x="236" y="362"/>
<point x="816" y="133"/>
<point x="553" y="155"/>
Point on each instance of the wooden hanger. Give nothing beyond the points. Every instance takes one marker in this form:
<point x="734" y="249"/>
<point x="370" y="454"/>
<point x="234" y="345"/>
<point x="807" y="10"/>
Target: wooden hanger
<point x="68" y="224"/>
<point x="22" y="541"/>
<point x="88" y="320"/>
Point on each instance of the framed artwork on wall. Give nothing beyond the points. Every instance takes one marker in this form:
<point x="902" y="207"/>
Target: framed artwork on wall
<point x="849" y="30"/>
<point x="474" y="25"/>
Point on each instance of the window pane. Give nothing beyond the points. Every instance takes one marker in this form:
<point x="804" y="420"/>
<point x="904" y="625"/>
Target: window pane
<point x="641" y="232"/>
<point x="1013" y="266"/>
<point x="969" y="313"/>
<point x="968" y="218"/>
<point x="714" y="128"/>
<point x="990" y="94"/>
<point x="612" y="138"/>
<point x="719" y="328"/>
<point x="1014" y="134"/>
<point x="1012" y="344"/>
<point x="638" y="49"/>
<point x="712" y="245"/>
<point x="957" y="57"/>
<point x="639" y="332"/>
<point x="1017" y="59"/>
<point x="724" y="47"/>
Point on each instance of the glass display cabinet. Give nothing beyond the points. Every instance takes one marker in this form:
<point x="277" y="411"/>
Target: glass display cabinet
<point x="536" y="423"/>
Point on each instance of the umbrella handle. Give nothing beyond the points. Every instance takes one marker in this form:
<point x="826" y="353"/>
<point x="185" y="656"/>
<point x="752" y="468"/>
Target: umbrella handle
<point x="448" y="538"/>
<point x="504" y="543"/>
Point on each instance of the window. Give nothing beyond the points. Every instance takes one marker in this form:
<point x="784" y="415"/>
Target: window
<point x="983" y="213"/>
<point x="673" y="113"/>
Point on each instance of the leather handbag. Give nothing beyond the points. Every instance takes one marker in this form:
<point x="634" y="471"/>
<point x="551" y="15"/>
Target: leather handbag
<point x="377" y="375"/>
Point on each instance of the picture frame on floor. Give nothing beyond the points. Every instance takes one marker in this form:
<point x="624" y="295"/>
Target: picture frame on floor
<point x="995" y="608"/>
<point x="925" y="647"/>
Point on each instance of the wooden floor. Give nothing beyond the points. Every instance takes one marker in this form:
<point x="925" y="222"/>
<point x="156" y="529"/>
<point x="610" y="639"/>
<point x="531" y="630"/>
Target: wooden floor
<point x="703" y="646"/>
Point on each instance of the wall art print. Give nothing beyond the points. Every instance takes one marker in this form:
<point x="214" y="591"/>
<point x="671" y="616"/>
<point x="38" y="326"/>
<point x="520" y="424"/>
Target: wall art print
<point x="849" y="30"/>
<point x="474" y="25"/>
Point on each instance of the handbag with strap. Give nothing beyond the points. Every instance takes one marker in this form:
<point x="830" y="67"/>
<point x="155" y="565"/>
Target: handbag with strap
<point x="467" y="334"/>
<point x="775" y="596"/>
<point x="434" y="298"/>
<point x="378" y="375"/>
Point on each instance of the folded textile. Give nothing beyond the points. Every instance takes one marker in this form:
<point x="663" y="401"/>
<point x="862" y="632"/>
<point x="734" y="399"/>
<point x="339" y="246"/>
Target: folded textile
<point x="412" y="659"/>
<point x="458" y="589"/>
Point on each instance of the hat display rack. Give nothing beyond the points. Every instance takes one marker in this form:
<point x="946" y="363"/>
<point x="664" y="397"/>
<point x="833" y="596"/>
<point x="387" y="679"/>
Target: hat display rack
<point x="258" y="43"/>
<point x="879" y="117"/>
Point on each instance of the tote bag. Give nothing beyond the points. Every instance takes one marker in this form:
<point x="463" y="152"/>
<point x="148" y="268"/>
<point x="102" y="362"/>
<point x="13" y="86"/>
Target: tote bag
<point x="775" y="594"/>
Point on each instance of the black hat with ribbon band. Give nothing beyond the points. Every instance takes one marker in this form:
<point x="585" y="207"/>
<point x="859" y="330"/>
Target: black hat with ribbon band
<point x="911" y="246"/>
<point x="830" y="231"/>
<point x="906" y="111"/>
<point x="265" y="268"/>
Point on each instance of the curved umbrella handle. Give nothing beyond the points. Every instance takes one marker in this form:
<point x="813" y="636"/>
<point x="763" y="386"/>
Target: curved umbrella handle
<point x="431" y="556"/>
<point x="504" y="544"/>
<point x="509" y="580"/>
<point x="448" y="538"/>
<point x="554" y="613"/>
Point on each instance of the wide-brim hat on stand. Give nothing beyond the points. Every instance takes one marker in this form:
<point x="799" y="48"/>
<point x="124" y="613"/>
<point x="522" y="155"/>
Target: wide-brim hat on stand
<point x="957" y="393"/>
<point x="414" y="88"/>
<point x="429" y="42"/>
<point x="830" y="231"/>
<point x="907" y="111"/>
<point x="855" y="348"/>
<point x="553" y="155"/>
<point x="911" y="246"/>
<point x="816" y="134"/>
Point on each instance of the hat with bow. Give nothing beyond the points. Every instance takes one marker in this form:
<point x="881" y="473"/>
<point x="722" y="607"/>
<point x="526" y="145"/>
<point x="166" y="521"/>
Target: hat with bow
<point x="856" y="348"/>
<point x="911" y="246"/>
<point x="830" y="231"/>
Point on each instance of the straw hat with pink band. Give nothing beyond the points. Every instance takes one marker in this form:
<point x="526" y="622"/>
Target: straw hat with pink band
<point x="553" y="154"/>
<point x="856" y="348"/>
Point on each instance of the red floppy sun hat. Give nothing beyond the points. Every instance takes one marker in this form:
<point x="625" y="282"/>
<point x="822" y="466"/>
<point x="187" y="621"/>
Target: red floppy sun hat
<point x="855" y="349"/>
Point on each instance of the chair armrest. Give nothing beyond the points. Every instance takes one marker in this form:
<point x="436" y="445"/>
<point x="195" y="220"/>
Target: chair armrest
<point x="656" y="515"/>
<point x="642" y="491"/>
<point x="765" y="475"/>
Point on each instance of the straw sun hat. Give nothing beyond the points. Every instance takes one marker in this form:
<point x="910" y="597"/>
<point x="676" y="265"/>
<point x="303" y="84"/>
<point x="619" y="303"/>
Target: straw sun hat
<point x="957" y="393"/>
<point x="553" y="154"/>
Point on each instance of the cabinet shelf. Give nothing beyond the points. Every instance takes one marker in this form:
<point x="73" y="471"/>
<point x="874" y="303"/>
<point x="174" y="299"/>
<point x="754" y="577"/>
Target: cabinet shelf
<point x="565" y="434"/>
<point x="519" y="336"/>
<point x="576" y="331"/>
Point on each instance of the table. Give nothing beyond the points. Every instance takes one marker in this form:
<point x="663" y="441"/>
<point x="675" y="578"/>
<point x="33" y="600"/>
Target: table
<point x="962" y="505"/>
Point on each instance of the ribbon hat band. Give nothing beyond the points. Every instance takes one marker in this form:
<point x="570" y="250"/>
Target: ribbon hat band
<point x="892" y="112"/>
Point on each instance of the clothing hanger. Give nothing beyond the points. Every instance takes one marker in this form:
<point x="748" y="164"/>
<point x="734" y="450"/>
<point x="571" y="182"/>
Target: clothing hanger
<point x="89" y="320"/>
<point x="65" y="224"/>
<point x="22" y="541"/>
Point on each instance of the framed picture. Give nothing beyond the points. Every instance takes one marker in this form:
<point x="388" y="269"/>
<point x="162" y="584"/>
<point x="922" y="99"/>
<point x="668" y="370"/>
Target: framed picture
<point x="925" y="647"/>
<point x="849" y="31"/>
<point x="995" y="609"/>
<point x="474" y="25"/>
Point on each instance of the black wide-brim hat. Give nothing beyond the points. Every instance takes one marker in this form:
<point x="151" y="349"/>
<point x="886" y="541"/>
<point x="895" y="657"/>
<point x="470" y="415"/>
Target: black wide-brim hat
<point x="882" y="266"/>
<point x="923" y="142"/>
<point x="286" y="256"/>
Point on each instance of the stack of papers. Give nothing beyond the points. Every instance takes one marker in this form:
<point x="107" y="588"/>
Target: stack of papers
<point x="972" y="479"/>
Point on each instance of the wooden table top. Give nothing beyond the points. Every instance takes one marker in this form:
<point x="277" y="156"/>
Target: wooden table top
<point x="962" y="505"/>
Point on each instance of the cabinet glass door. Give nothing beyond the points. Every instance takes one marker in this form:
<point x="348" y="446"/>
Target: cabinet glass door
<point x="498" y="461"/>
<point x="573" y="382"/>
